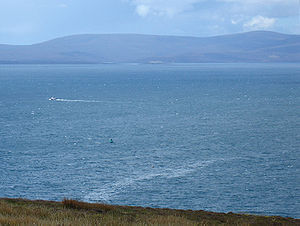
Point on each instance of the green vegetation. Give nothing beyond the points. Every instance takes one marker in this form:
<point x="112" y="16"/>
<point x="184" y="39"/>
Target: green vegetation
<point x="71" y="212"/>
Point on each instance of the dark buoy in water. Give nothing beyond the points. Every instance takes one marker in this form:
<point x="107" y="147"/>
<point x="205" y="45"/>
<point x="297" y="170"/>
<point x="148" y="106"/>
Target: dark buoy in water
<point x="111" y="140"/>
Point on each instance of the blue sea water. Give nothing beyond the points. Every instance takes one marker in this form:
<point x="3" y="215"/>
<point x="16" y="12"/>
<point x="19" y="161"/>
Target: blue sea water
<point x="217" y="137"/>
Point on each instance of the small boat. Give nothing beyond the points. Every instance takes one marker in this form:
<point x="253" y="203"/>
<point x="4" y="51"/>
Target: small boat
<point x="52" y="98"/>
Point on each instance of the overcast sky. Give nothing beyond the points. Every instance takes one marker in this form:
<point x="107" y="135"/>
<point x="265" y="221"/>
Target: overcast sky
<point x="31" y="21"/>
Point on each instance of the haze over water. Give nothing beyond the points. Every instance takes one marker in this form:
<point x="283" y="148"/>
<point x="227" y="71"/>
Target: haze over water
<point x="217" y="137"/>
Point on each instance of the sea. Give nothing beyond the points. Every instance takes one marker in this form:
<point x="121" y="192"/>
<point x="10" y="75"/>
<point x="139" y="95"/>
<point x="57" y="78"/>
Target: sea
<point x="214" y="137"/>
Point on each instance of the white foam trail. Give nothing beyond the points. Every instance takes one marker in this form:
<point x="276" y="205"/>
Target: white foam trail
<point x="94" y="101"/>
<point x="108" y="191"/>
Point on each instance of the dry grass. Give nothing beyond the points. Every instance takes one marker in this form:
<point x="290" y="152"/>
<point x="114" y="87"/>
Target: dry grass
<point x="72" y="212"/>
<point x="97" y="207"/>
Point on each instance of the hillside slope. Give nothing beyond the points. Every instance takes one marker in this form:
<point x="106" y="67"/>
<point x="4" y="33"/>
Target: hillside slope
<point x="259" y="46"/>
<point x="71" y="212"/>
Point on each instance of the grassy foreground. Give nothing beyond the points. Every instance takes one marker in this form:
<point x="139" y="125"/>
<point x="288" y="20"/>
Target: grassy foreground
<point x="71" y="212"/>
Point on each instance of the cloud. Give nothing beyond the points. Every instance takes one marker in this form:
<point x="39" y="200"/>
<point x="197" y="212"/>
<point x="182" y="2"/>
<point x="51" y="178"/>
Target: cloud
<point x="259" y="22"/>
<point x="228" y="15"/>
<point x="167" y="8"/>
<point x="142" y="10"/>
<point x="234" y="21"/>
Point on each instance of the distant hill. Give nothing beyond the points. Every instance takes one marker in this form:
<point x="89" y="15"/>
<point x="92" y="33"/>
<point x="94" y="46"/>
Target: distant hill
<point x="258" y="46"/>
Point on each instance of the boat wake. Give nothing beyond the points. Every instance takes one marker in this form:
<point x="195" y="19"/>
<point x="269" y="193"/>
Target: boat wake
<point x="91" y="101"/>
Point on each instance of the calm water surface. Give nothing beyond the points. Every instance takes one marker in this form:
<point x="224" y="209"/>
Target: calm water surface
<point x="217" y="137"/>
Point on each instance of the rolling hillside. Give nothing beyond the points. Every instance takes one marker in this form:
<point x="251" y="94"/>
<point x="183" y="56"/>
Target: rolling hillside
<point x="258" y="46"/>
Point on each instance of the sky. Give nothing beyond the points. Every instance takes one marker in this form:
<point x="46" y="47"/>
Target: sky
<point x="33" y="21"/>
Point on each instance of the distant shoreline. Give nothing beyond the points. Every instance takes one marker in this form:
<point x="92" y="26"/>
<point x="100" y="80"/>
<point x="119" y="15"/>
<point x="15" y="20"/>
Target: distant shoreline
<point x="150" y="64"/>
<point x="251" y="47"/>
